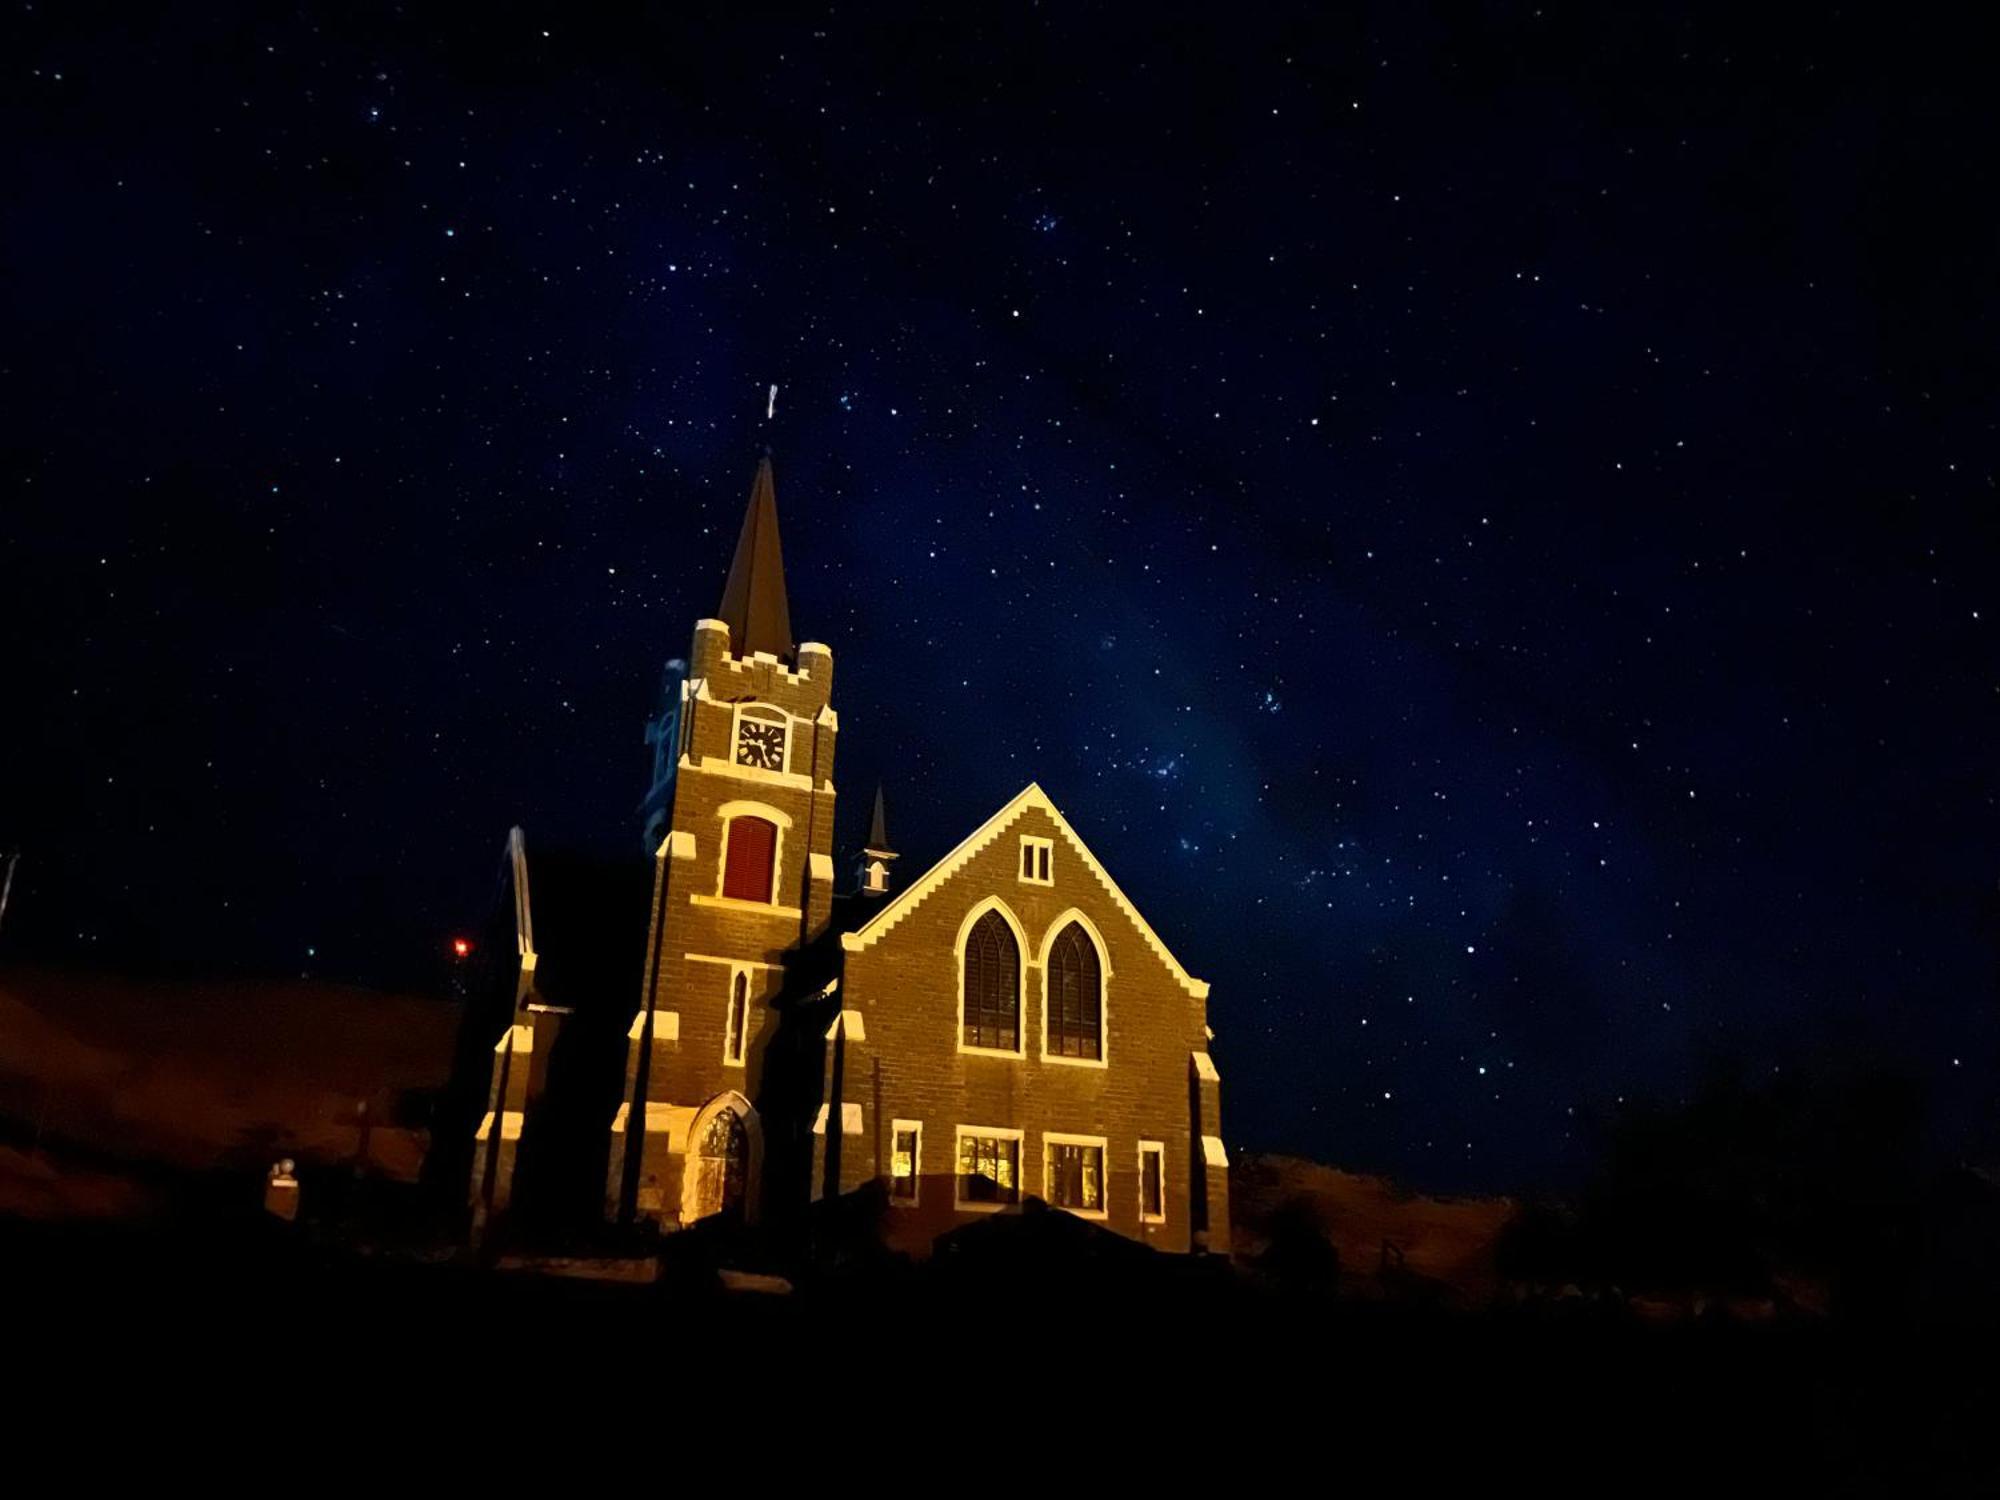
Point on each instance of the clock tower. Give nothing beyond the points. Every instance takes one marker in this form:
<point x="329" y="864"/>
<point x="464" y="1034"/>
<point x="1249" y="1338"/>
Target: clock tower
<point x="742" y="878"/>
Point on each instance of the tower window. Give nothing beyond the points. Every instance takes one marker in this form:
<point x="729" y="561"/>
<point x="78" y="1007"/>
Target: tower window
<point x="750" y="855"/>
<point x="992" y="964"/>
<point x="737" y="1032"/>
<point x="1076" y="997"/>
<point x="1038" y="861"/>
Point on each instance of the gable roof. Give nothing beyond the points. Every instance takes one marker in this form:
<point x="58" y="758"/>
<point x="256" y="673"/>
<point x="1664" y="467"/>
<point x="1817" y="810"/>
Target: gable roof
<point x="1031" y="796"/>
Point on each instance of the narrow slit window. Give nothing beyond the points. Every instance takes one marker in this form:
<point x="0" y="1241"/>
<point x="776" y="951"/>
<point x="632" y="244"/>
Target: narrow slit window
<point x="737" y="1035"/>
<point x="1152" y="1182"/>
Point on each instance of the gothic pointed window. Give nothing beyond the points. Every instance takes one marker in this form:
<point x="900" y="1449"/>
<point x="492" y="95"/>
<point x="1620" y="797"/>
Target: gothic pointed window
<point x="721" y="1167"/>
<point x="747" y="864"/>
<point x="1076" y="996"/>
<point x="992" y="985"/>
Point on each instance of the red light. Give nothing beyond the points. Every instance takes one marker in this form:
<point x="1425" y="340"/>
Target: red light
<point x="461" y="946"/>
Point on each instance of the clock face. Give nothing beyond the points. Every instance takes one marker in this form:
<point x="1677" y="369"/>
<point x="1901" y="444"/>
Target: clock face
<point x="760" y="744"/>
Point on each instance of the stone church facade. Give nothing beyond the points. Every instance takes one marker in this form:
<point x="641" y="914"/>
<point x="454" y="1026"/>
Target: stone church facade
<point x="1005" y="1026"/>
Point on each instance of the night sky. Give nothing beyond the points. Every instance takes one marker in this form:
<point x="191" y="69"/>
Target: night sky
<point x="1483" y="516"/>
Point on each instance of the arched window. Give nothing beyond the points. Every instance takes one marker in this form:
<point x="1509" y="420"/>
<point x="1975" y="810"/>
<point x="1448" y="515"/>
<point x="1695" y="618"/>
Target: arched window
<point x="746" y="866"/>
<point x="1076" y="996"/>
<point x="992" y="985"/>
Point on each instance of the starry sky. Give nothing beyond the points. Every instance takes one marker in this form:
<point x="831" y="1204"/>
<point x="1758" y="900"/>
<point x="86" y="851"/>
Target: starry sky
<point x="1482" y="515"/>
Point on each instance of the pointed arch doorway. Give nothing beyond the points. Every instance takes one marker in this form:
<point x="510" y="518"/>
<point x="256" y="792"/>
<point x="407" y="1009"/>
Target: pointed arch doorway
<point x="725" y="1151"/>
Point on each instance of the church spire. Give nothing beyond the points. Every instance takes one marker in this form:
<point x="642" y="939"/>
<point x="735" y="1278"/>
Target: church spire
<point x="876" y="855"/>
<point x="753" y="600"/>
<point x="878" y="826"/>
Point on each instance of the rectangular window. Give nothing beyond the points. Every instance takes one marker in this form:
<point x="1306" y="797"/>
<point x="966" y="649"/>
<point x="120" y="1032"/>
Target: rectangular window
<point x="1074" y="1173"/>
<point x="906" y="1160"/>
<point x="1037" y="861"/>
<point x="1152" y="1183"/>
<point x="989" y="1166"/>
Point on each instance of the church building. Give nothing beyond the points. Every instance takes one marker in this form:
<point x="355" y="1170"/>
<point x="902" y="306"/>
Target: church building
<point x="1004" y="1026"/>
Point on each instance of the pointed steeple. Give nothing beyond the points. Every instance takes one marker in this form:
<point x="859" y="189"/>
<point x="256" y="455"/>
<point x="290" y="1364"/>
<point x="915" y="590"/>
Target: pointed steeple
<point x="878" y="826"/>
<point x="753" y="600"/>
<point x="876" y="855"/>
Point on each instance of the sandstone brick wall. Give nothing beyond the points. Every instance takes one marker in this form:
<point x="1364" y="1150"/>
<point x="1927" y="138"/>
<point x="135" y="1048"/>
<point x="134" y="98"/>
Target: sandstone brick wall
<point x="689" y="1068"/>
<point x="898" y="1057"/>
<point x="908" y="1064"/>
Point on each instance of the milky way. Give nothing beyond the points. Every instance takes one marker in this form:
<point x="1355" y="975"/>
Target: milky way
<point x="1486" y="525"/>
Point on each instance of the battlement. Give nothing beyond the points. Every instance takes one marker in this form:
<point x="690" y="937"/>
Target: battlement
<point x="760" y="673"/>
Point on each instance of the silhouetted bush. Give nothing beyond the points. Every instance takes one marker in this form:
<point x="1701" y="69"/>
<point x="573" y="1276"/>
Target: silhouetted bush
<point x="1299" y="1251"/>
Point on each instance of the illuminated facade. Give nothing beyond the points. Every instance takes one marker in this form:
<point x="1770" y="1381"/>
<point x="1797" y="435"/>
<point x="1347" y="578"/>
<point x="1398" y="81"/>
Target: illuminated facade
<point x="1006" y="1026"/>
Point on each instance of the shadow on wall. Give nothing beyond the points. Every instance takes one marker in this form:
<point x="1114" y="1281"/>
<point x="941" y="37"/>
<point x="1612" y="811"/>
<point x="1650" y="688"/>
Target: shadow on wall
<point x="591" y="930"/>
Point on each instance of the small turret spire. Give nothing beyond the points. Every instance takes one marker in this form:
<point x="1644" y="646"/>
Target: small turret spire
<point x="876" y="855"/>
<point x="878" y="826"/>
<point x="754" y="606"/>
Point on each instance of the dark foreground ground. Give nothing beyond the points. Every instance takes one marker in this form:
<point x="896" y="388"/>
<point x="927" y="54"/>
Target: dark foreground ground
<point x="153" y="1319"/>
<point x="911" y="1380"/>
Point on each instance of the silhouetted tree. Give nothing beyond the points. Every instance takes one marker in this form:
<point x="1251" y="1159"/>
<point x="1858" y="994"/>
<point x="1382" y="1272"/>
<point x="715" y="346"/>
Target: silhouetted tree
<point x="1741" y="1187"/>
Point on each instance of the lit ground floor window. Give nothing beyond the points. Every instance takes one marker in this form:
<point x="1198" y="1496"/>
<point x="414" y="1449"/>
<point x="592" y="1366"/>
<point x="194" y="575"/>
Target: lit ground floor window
<point x="1074" y="1167"/>
<point x="1152" y="1182"/>
<point x="989" y="1166"/>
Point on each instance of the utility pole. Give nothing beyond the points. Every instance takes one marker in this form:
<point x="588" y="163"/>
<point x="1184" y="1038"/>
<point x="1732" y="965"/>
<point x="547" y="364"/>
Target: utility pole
<point x="635" y="1115"/>
<point x="7" y="883"/>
